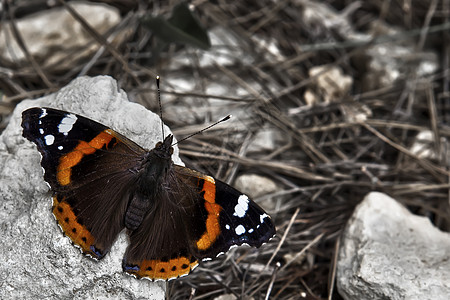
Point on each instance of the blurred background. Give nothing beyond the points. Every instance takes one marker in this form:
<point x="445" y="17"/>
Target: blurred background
<point x="330" y="100"/>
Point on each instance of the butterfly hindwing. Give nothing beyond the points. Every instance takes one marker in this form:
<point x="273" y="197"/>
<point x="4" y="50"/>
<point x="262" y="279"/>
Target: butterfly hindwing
<point x="161" y="248"/>
<point x="207" y="218"/>
<point x="241" y="221"/>
<point x="86" y="165"/>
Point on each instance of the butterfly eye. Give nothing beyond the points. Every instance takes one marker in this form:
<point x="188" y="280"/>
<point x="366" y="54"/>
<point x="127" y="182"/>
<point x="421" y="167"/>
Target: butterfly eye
<point x="158" y="144"/>
<point x="171" y="150"/>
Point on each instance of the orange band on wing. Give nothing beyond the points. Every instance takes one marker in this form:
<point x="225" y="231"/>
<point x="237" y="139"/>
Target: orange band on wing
<point x="157" y="269"/>
<point x="72" y="228"/>
<point x="71" y="159"/>
<point x="213" y="209"/>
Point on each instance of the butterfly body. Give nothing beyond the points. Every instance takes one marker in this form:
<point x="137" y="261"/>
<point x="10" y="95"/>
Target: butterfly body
<point x="151" y="175"/>
<point x="103" y="183"/>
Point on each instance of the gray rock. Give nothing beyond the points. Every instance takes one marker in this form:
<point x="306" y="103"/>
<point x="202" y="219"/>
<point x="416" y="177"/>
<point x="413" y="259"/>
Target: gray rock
<point x="389" y="253"/>
<point x="267" y="140"/>
<point x="49" y="35"/>
<point x="37" y="260"/>
<point x="255" y="185"/>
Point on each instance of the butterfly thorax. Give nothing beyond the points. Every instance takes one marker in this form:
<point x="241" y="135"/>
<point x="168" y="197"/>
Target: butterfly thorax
<point x="154" y="169"/>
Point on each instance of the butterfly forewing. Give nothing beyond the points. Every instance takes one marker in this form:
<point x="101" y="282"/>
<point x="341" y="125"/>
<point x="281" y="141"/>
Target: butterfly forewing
<point x="87" y="167"/>
<point x="231" y="218"/>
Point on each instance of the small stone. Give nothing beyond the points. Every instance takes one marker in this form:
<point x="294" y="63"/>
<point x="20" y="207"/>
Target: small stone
<point x="266" y="140"/>
<point x="255" y="185"/>
<point x="231" y="297"/>
<point x="424" y="145"/>
<point x="330" y="82"/>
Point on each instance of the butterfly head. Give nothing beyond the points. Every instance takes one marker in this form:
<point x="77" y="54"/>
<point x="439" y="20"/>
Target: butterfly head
<point x="164" y="149"/>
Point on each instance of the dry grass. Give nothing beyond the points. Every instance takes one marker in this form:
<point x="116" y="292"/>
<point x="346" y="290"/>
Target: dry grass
<point x="327" y="161"/>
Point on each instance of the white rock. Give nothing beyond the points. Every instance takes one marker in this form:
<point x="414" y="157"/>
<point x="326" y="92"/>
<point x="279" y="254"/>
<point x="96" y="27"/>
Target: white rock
<point x="389" y="253"/>
<point x="51" y="34"/>
<point x="36" y="258"/>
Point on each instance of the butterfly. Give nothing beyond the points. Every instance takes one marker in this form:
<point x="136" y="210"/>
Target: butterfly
<point x="103" y="183"/>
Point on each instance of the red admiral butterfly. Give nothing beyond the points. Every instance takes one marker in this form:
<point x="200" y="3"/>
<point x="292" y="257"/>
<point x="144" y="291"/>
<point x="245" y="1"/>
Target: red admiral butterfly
<point x="102" y="182"/>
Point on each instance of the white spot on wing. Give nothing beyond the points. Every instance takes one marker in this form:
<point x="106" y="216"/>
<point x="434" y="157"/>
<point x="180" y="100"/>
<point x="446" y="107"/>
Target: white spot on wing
<point x="41" y="131"/>
<point x="60" y="147"/>
<point x="49" y="139"/>
<point x="240" y="230"/>
<point x="43" y="114"/>
<point x="241" y="208"/>
<point x="250" y="230"/>
<point x="67" y="123"/>
<point x="262" y="217"/>
<point x="227" y="227"/>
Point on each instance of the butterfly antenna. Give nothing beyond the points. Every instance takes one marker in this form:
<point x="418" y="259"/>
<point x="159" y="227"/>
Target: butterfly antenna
<point x="204" y="129"/>
<point x="160" y="106"/>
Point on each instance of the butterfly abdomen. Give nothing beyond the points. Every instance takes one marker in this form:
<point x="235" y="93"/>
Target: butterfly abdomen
<point x="136" y="211"/>
<point x="155" y="167"/>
